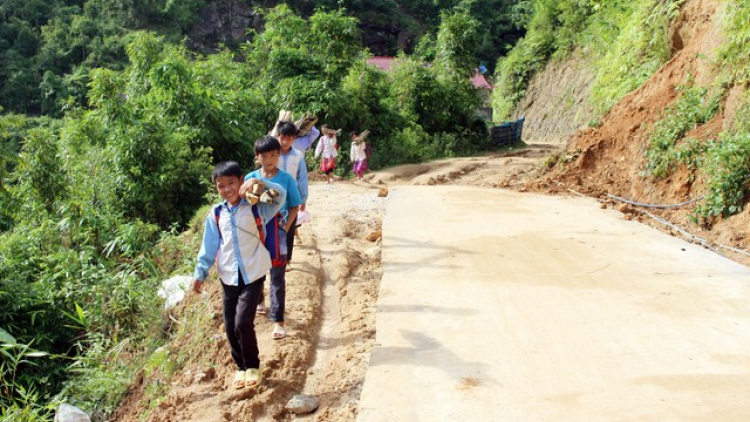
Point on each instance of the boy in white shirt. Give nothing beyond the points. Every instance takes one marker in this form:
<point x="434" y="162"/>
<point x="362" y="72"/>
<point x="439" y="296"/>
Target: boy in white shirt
<point x="292" y="161"/>
<point x="232" y="237"/>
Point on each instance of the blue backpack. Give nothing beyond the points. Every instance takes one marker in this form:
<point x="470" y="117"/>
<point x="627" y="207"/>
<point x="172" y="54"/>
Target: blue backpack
<point x="270" y="236"/>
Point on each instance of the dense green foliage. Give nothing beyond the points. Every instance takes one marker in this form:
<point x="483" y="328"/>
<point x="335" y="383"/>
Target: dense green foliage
<point x="416" y="113"/>
<point x="90" y="202"/>
<point x="48" y="48"/>
<point x="497" y="22"/>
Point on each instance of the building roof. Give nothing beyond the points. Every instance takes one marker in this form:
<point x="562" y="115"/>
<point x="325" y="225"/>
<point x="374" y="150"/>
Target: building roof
<point x="479" y="81"/>
<point x="384" y="63"/>
<point x="387" y="64"/>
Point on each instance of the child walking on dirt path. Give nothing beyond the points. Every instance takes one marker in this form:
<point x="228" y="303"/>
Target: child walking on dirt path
<point x="267" y="152"/>
<point x="358" y="154"/>
<point x="231" y="237"/>
<point x="292" y="161"/>
<point x="327" y="149"/>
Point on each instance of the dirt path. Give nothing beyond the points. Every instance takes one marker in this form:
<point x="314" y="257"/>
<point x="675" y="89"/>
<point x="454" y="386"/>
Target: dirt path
<point x="508" y="169"/>
<point x="344" y="215"/>
<point x="331" y="293"/>
<point x="332" y="300"/>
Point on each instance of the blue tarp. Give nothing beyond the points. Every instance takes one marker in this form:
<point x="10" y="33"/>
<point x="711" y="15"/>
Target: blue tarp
<point x="508" y="133"/>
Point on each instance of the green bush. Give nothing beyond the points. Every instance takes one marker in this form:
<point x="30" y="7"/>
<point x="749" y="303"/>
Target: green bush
<point x="694" y="107"/>
<point x="727" y="169"/>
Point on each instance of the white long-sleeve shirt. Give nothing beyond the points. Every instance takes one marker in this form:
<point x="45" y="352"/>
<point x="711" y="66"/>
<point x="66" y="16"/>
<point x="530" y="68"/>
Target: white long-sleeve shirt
<point x="357" y="152"/>
<point x="326" y="147"/>
<point x="294" y="163"/>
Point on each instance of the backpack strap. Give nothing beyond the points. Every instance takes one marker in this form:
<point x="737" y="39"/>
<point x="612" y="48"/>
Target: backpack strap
<point x="256" y="215"/>
<point x="259" y="223"/>
<point x="217" y="213"/>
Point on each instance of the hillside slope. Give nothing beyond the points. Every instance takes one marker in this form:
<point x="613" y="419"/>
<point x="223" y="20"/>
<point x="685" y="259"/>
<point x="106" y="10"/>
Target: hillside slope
<point x="610" y="159"/>
<point x="557" y="102"/>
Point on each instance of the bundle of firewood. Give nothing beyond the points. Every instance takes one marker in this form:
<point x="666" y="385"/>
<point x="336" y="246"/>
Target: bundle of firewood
<point x="260" y="193"/>
<point x="331" y="132"/>
<point x="362" y="137"/>
<point x="305" y="123"/>
<point x="284" y="116"/>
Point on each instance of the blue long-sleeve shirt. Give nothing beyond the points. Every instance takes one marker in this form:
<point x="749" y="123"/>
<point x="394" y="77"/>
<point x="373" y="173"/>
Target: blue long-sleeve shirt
<point x="303" y="143"/>
<point x="286" y="181"/>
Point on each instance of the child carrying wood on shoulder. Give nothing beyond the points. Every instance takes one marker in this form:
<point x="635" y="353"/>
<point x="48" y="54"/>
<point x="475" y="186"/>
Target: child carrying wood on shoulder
<point x="327" y="149"/>
<point x="268" y="153"/>
<point x="359" y="153"/>
<point x="232" y="239"/>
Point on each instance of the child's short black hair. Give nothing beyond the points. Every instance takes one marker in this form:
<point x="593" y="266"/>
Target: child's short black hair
<point x="286" y="129"/>
<point x="325" y="126"/>
<point x="267" y="144"/>
<point x="226" y="168"/>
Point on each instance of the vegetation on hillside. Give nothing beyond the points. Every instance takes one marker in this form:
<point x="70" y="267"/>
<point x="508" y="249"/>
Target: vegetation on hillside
<point x="723" y="161"/>
<point x="627" y="42"/>
<point x="48" y="47"/>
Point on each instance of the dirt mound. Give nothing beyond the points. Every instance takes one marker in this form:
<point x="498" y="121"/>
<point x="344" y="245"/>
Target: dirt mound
<point x="495" y="170"/>
<point x="609" y="159"/>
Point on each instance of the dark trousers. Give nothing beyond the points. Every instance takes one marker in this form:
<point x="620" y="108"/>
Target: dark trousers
<point x="290" y="240"/>
<point x="277" y="291"/>
<point x="239" y="321"/>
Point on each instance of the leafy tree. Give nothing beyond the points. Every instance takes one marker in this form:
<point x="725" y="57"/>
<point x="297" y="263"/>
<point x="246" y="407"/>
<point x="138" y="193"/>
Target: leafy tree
<point x="456" y="46"/>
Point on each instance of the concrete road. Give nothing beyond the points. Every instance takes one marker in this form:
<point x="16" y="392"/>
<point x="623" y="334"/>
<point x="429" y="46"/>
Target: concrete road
<point x="504" y="307"/>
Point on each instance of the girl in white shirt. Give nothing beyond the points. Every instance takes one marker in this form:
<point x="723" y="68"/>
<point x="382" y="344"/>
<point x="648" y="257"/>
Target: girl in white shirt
<point x="358" y="155"/>
<point x="327" y="149"/>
